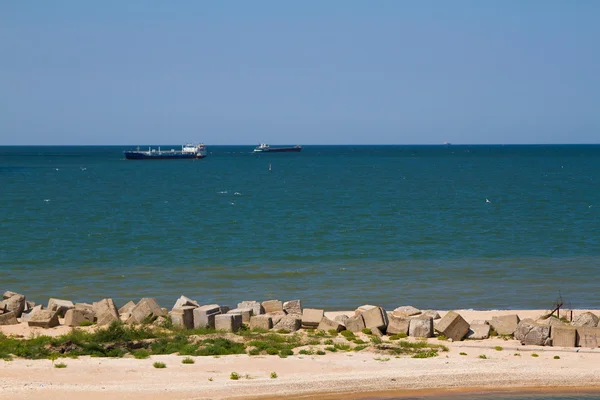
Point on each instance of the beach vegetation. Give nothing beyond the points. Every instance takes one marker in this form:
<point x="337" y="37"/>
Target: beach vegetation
<point x="333" y="332"/>
<point x="358" y="341"/>
<point x="534" y="355"/>
<point x="314" y="342"/>
<point x="254" y="352"/>
<point x="234" y="376"/>
<point x="382" y="359"/>
<point x="483" y="356"/>
<point x="462" y="353"/>
<point x="517" y="355"/>
<point x="320" y="353"/>
<point x="159" y="364"/>
<point x="349" y="335"/>
<point x="556" y="357"/>
<point x="307" y="352"/>
<point x="425" y="354"/>
<point x="188" y="360"/>
<point x="140" y="354"/>
<point x="328" y="341"/>
<point x="86" y="323"/>
<point x="283" y="353"/>
<point x="273" y="375"/>
<point x="60" y="365"/>
<point x="331" y="348"/>
<point x="283" y="331"/>
<point x="493" y="333"/>
<point x="399" y="336"/>
<point x="342" y="346"/>
<point x="498" y="348"/>
<point x="442" y="337"/>
<point x="376" y="340"/>
<point x="271" y="351"/>
<point x="367" y="331"/>
<point x="360" y="347"/>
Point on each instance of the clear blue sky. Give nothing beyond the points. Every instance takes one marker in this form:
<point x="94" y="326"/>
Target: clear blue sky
<point x="307" y="72"/>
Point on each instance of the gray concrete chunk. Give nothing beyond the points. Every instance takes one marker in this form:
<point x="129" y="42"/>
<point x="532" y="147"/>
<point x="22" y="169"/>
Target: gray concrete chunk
<point x="204" y="316"/>
<point x="183" y="301"/>
<point x="326" y="325"/>
<point x="406" y="311"/>
<point x="146" y="310"/>
<point x="355" y="324"/>
<point x="272" y="306"/>
<point x="289" y="323"/>
<point x="228" y="322"/>
<point x="564" y="336"/>
<point x="44" y="319"/>
<point x="8" y="319"/>
<point x="261" y="322"/>
<point x="453" y="326"/>
<point x="293" y="307"/>
<point x="257" y="308"/>
<point x="398" y="325"/>
<point x="479" y="332"/>
<point x="505" y="324"/>
<point x="75" y="317"/>
<point x="59" y="305"/>
<point x="311" y="317"/>
<point x="375" y="318"/>
<point x="183" y="317"/>
<point x="105" y="311"/>
<point x="15" y="303"/>
<point x="421" y="327"/>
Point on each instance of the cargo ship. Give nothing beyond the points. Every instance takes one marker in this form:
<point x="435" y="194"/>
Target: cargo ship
<point x="187" y="151"/>
<point x="265" y="148"/>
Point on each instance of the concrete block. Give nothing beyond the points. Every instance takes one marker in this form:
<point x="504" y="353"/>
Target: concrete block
<point x="75" y="316"/>
<point x="44" y="319"/>
<point x="228" y="322"/>
<point x="15" y="303"/>
<point x="421" y="327"/>
<point x="375" y="318"/>
<point x="406" y="311"/>
<point x="355" y="324"/>
<point x="106" y="311"/>
<point x="293" y="307"/>
<point x="326" y="324"/>
<point x="261" y="322"/>
<point x="26" y="316"/>
<point x="84" y="306"/>
<point x="290" y="323"/>
<point x="145" y="310"/>
<point x="341" y="319"/>
<point x="183" y="317"/>
<point x="506" y="324"/>
<point x="183" y="301"/>
<point x="398" y="325"/>
<point x="257" y="308"/>
<point x="376" y="332"/>
<point x="479" y="331"/>
<point x="311" y="318"/>
<point x="246" y="313"/>
<point x="564" y="336"/>
<point x="8" y="294"/>
<point x="276" y="316"/>
<point x="61" y="306"/>
<point x="126" y="309"/>
<point x="588" y="337"/>
<point x="204" y="316"/>
<point x="430" y="313"/>
<point x="363" y="308"/>
<point x="8" y="318"/>
<point x="530" y="333"/>
<point x="585" y="319"/>
<point x="272" y="306"/>
<point x="453" y="326"/>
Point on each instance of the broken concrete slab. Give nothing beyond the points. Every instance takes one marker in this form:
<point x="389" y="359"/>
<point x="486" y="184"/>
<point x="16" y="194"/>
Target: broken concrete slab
<point x="478" y="332"/>
<point x="453" y="326"/>
<point x="276" y="316"/>
<point x="8" y="294"/>
<point x="8" y="319"/>
<point x="44" y="319"/>
<point x="355" y="324"/>
<point x="421" y="327"/>
<point x="563" y="336"/>
<point x="406" y="311"/>
<point x="327" y="324"/>
<point x="586" y="319"/>
<point x="530" y="333"/>
<point x="311" y="317"/>
<point x="430" y="313"/>
<point x="27" y="315"/>
<point x="126" y="309"/>
<point x="228" y="322"/>
<point x="105" y="311"/>
<point x="15" y="303"/>
<point x="145" y="310"/>
<point x="272" y="306"/>
<point x="77" y="316"/>
<point x="293" y="307"/>
<point x="246" y="313"/>
<point x="588" y="337"/>
<point x="183" y="301"/>
<point x="257" y="308"/>
<point x="375" y="318"/>
<point x="341" y="319"/>
<point x="261" y="322"/>
<point x="289" y="323"/>
<point x="506" y="324"/>
<point x="183" y="317"/>
<point x="59" y="305"/>
<point x="204" y="316"/>
<point x="398" y="325"/>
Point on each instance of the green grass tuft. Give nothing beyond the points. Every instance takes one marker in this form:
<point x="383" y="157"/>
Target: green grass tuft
<point x="60" y="365"/>
<point x="556" y="357"/>
<point x="188" y="360"/>
<point x="425" y="354"/>
<point x="273" y="375"/>
<point x="398" y="336"/>
<point x="463" y="353"/>
<point x="534" y="355"/>
<point x="483" y="356"/>
<point x="367" y="331"/>
<point x="321" y="352"/>
<point x="498" y="348"/>
<point x="159" y="364"/>
<point x="234" y="376"/>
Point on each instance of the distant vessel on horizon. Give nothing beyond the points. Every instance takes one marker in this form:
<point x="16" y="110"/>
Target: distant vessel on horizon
<point x="187" y="151"/>
<point x="447" y="143"/>
<point x="265" y="148"/>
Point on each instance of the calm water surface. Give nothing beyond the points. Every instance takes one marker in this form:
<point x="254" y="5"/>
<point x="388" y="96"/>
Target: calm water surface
<point x="337" y="226"/>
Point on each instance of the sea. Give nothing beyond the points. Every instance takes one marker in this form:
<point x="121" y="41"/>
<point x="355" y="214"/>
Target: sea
<point x="440" y="227"/>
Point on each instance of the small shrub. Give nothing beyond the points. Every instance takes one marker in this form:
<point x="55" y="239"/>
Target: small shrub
<point x="498" y="348"/>
<point x="359" y="341"/>
<point x="140" y="354"/>
<point x="159" y="365"/>
<point x="331" y="348"/>
<point x="462" y="353"/>
<point x="399" y="336"/>
<point x="320" y="352"/>
<point x="534" y="355"/>
<point x="493" y="333"/>
<point x="556" y="357"/>
<point x="483" y="356"/>
<point x="442" y="337"/>
<point x="234" y="376"/>
<point x="361" y="347"/>
<point x="376" y="340"/>
<point x="283" y="331"/>
<point x="60" y="365"/>
<point x="273" y="375"/>
<point x="254" y="352"/>
<point x="86" y="323"/>
<point x="188" y="360"/>
<point x="382" y="359"/>
<point x="517" y="355"/>
<point x="332" y="332"/>
<point x="272" y="351"/>
<point x="367" y="331"/>
<point x="328" y="341"/>
<point x="306" y="352"/>
<point x="285" y="352"/>
<point x="425" y="354"/>
<point x="348" y="334"/>
<point x="342" y="346"/>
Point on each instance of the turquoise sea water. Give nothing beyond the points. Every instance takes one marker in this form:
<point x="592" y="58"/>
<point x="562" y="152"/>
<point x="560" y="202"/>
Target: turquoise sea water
<point x="336" y="226"/>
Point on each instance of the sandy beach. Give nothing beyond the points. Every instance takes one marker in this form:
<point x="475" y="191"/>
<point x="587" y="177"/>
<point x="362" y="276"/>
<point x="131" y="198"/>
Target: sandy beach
<point x="335" y="375"/>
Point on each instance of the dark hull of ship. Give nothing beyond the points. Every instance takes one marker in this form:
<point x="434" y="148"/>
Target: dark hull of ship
<point x="135" y="155"/>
